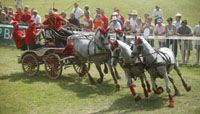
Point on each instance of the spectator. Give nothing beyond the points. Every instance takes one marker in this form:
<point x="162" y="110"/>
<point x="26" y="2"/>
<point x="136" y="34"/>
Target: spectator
<point x="160" y="30"/>
<point x="18" y="36"/>
<point x="64" y="16"/>
<point x="197" y="45"/>
<point x="86" y="8"/>
<point x="134" y="21"/>
<point x="27" y="15"/>
<point x="31" y="35"/>
<point x="78" y="12"/>
<point x="72" y="20"/>
<point x="97" y="22"/>
<point x="87" y="22"/>
<point x="98" y="12"/>
<point x="19" y="4"/>
<point x="104" y="19"/>
<point x="18" y="15"/>
<point x="178" y="21"/>
<point x="36" y="17"/>
<point x="114" y="25"/>
<point x="3" y="18"/>
<point x="127" y="28"/>
<point x="170" y="31"/>
<point x="119" y="16"/>
<point x="157" y="14"/>
<point x="140" y="26"/>
<point x="186" y="45"/>
<point x="149" y="25"/>
<point x="10" y="15"/>
<point x="146" y="15"/>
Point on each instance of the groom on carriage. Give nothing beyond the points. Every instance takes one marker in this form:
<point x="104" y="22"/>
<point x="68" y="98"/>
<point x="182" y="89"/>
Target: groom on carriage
<point x="54" y="22"/>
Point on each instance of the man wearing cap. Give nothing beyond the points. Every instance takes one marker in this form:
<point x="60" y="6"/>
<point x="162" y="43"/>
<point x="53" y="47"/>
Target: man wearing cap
<point x="114" y="25"/>
<point x="160" y="30"/>
<point x="18" y="36"/>
<point x="31" y="35"/>
<point x="134" y="20"/>
<point x="36" y="17"/>
<point x="185" y="45"/>
<point x="178" y="21"/>
<point x="157" y="14"/>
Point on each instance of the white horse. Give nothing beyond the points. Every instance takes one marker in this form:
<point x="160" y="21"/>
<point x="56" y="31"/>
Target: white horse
<point x="94" y="49"/>
<point x="121" y="52"/>
<point x="159" y="63"/>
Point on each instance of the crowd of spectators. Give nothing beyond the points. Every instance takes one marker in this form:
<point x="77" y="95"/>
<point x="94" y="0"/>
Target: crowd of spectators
<point x="81" y="18"/>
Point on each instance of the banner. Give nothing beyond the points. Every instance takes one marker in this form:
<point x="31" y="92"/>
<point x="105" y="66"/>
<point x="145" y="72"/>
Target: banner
<point x="6" y="33"/>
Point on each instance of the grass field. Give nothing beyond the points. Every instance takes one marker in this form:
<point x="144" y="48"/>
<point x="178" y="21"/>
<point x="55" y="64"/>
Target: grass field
<point x="71" y="94"/>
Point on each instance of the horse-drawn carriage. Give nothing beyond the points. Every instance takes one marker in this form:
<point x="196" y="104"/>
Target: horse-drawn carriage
<point x="53" y="58"/>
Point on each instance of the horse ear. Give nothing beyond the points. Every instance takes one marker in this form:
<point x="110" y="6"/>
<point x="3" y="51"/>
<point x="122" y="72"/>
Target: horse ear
<point x="138" y="40"/>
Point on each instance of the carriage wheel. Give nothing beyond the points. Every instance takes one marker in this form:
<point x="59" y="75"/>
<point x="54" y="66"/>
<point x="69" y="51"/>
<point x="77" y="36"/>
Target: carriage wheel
<point x="30" y="64"/>
<point x="53" y="66"/>
<point x="81" y="68"/>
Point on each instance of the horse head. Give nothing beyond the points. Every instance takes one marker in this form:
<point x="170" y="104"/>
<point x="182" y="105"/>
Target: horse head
<point x="120" y="35"/>
<point x="137" y="47"/>
<point x="102" y="38"/>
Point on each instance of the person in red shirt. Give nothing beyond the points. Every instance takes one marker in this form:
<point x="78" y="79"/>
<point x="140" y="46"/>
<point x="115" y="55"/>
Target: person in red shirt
<point x="26" y="16"/>
<point x="18" y="36"/>
<point x="104" y="19"/>
<point x="31" y="35"/>
<point x="55" y="22"/>
<point x="18" y="14"/>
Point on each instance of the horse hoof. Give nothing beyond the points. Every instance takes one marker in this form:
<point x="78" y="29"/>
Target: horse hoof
<point x="149" y="90"/>
<point x="188" y="88"/>
<point x="117" y="86"/>
<point x="177" y="93"/>
<point x="160" y="89"/>
<point x="105" y="71"/>
<point x="171" y="105"/>
<point x="138" y="98"/>
<point x="99" y="80"/>
<point x="146" y="94"/>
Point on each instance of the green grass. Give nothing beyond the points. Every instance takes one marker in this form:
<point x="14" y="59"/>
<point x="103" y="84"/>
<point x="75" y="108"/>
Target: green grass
<point x="20" y="94"/>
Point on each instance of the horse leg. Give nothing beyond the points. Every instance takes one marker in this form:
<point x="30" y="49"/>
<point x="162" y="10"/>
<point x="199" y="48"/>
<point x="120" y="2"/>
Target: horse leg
<point x="177" y="93"/>
<point x="89" y="75"/>
<point x="156" y="90"/>
<point x="100" y="80"/>
<point x="143" y="86"/>
<point x="113" y="76"/>
<point x="185" y="84"/>
<point x="105" y="70"/>
<point x="116" y="73"/>
<point x="171" y="101"/>
<point x="147" y="83"/>
<point x="132" y="88"/>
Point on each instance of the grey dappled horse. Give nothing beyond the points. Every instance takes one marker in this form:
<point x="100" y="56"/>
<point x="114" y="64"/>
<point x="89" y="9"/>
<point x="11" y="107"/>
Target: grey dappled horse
<point x="159" y="63"/>
<point x="133" y="68"/>
<point x="94" y="49"/>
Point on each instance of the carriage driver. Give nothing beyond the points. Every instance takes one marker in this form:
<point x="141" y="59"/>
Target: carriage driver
<point x="55" y="22"/>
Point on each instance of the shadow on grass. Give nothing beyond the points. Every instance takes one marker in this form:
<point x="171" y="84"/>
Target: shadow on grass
<point x="152" y="103"/>
<point x="70" y="82"/>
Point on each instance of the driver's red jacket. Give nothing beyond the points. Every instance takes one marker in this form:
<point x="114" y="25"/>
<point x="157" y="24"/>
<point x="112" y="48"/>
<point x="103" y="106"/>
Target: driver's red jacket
<point x="55" y="22"/>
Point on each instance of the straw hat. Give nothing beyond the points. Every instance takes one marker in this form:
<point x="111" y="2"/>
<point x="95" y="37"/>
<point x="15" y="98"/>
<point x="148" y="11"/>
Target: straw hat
<point x="178" y="15"/>
<point x="134" y="12"/>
